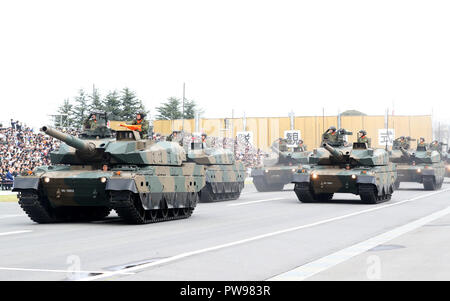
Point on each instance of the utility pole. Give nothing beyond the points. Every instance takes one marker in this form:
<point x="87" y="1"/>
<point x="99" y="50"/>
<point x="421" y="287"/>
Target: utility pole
<point x="323" y="119"/>
<point x="292" y="120"/>
<point x="182" y="124"/>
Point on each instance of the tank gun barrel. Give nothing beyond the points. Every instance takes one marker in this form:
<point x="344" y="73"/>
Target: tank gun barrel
<point x="69" y="139"/>
<point x="275" y="150"/>
<point x="335" y="153"/>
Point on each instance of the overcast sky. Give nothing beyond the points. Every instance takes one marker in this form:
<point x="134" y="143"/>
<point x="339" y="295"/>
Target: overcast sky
<point x="262" y="57"/>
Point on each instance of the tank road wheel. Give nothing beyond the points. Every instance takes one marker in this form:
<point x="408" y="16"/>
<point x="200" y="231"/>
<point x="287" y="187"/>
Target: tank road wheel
<point x="37" y="208"/>
<point x="368" y="194"/>
<point x="128" y="206"/>
<point x="163" y="210"/>
<point x="153" y="215"/>
<point x="175" y="212"/>
<point x="429" y="183"/>
<point x="304" y="193"/>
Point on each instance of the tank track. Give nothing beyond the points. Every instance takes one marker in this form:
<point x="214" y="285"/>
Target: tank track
<point x="129" y="208"/>
<point x="429" y="183"/>
<point x="35" y="209"/>
<point x="368" y="194"/>
<point x="306" y="195"/>
<point x="207" y="195"/>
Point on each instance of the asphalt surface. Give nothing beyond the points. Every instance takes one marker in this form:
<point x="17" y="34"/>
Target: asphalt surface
<point x="261" y="236"/>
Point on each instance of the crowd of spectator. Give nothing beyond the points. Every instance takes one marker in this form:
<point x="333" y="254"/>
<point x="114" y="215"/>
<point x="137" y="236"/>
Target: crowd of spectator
<point x="21" y="150"/>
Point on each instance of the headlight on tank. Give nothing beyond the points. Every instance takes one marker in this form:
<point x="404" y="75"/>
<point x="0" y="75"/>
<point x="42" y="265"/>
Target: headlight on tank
<point x="266" y="170"/>
<point x="314" y="176"/>
<point x="353" y="176"/>
<point x="293" y="169"/>
<point x="103" y="180"/>
<point x="46" y="179"/>
<point x="419" y="170"/>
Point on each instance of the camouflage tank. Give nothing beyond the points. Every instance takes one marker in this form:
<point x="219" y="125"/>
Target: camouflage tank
<point x="447" y="164"/>
<point x="277" y="169"/>
<point x="421" y="166"/>
<point x="225" y="176"/>
<point x="142" y="180"/>
<point x="337" y="167"/>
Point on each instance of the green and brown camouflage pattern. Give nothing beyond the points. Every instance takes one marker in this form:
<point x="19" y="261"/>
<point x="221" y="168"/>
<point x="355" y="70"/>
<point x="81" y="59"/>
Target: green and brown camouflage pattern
<point x="225" y="176"/>
<point x="128" y="174"/>
<point x="421" y="165"/>
<point x="278" y="168"/>
<point x="355" y="169"/>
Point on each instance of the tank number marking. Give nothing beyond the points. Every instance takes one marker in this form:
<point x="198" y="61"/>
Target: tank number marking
<point x="326" y="183"/>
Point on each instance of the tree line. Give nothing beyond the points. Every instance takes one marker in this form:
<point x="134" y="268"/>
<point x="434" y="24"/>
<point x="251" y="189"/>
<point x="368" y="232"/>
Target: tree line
<point x="120" y="105"/>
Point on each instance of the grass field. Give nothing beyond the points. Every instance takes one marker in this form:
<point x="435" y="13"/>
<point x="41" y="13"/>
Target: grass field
<point x="8" y="198"/>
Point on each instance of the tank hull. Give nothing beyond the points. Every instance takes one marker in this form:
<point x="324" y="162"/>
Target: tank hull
<point x="155" y="191"/>
<point x="431" y="175"/>
<point x="223" y="182"/>
<point x="272" y="178"/>
<point x="320" y="182"/>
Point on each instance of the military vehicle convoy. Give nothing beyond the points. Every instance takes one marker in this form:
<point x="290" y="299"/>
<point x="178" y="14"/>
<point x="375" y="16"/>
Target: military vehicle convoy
<point x="277" y="169"/>
<point x="144" y="181"/>
<point x="421" y="165"/>
<point x="337" y="167"/>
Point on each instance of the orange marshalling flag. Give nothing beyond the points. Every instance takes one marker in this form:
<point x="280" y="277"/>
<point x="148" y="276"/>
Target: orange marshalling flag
<point x="133" y="127"/>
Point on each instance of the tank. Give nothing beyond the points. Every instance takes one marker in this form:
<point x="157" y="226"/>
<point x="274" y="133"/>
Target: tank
<point x="447" y="165"/>
<point x="421" y="165"/>
<point x="225" y="176"/>
<point x="144" y="181"/>
<point x="337" y="167"/>
<point x="278" y="168"/>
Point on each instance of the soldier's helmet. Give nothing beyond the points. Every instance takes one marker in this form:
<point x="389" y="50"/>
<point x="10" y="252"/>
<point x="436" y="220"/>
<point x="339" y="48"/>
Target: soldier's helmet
<point x="363" y="132"/>
<point x="142" y="114"/>
<point x="402" y="137"/>
<point x="332" y="128"/>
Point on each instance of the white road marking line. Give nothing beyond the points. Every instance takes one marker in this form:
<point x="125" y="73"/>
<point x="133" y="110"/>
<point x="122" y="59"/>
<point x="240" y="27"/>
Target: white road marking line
<point x="11" y="215"/>
<point x="253" y="202"/>
<point x="15" y="232"/>
<point x="242" y="241"/>
<point x="324" y="263"/>
<point x="60" y="271"/>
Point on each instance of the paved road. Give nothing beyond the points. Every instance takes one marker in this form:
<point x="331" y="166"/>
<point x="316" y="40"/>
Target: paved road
<point x="261" y="236"/>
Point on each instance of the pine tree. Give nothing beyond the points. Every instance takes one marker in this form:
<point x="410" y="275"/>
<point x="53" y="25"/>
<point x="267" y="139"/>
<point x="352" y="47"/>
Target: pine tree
<point x="95" y="101"/>
<point x="190" y="107"/>
<point x="80" y="109"/>
<point x="131" y="105"/>
<point x="66" y="119"/>
<point x="112" y="105"/>
<point x="169" y="110"/>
